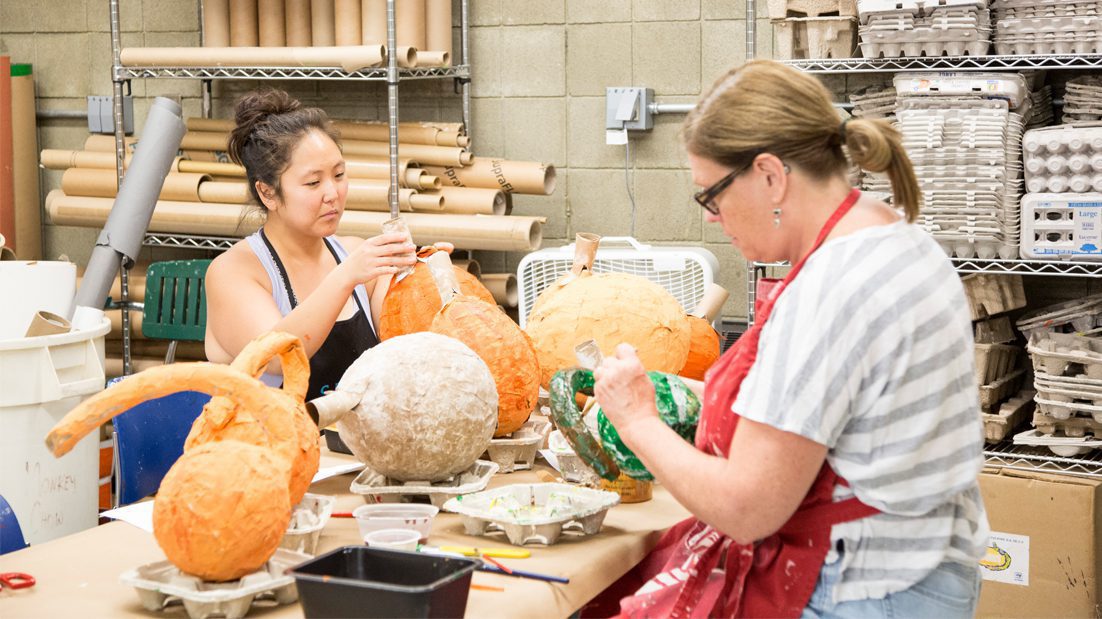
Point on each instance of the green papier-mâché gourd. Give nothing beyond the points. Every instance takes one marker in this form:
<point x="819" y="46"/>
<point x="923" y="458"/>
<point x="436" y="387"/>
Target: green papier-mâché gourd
<point x="678" y="407"/>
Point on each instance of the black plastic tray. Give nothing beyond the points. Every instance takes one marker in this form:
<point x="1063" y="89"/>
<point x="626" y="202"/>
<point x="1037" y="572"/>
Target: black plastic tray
<point x="358" y="581"/>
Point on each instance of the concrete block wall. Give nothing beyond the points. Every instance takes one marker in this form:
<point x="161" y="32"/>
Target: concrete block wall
<point x="539" y="75"/>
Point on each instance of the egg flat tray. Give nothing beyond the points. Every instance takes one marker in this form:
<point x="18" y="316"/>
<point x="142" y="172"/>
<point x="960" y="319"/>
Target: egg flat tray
<point x="308" y="518"/>
<point x="377" y="488"/>
<point x="581" y="510"/>
<point x="517" y="451"/>
<point x="1065" y="446"/>
<point x="161" y="586"/>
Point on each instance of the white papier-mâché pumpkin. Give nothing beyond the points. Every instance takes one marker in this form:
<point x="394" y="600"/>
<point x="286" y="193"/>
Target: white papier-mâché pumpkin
<point x="427" y="407"/>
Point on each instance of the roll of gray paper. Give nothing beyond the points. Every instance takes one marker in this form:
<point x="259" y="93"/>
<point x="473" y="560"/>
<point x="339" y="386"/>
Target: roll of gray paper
<point x="121" y="238"/>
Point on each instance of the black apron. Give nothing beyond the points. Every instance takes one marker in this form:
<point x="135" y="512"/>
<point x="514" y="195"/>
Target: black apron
<point x="347" y="340"/>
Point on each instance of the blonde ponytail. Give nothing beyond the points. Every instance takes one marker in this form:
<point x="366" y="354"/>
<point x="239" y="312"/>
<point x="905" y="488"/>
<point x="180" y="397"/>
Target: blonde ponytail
<point x="876" y="146"/>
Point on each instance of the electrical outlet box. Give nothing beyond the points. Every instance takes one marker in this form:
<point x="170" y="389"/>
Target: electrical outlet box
<point x="629" y="107"/>
<point x="101" y="115"/>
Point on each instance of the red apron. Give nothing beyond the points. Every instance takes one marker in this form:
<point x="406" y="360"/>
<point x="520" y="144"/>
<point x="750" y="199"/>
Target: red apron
<point x="776" y="576"/>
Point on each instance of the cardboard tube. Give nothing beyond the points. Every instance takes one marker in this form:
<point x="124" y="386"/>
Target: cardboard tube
<point x="216" y="23"/>
<point x="488" y="232"/>
<point x="423" y="181"/>
<point x="205" y="140"/>
<point x="373" y="19"/>
<point x="321" y="23"/>
<point x="471" y="266"/>
<point x="7" y="191"/>
<point x="135" y="285"/>
<point x="503" y="286"/>
<point x="371" y="131"/>
<point x="531" y="177"/>
<point x="106" y="144"/>
<point x="125" y="227"/>
<point x="243" y="23"/>
<point x="347" y="58"/>
<point x="104" y="184"/>
<point x="407" y="56"/>
<point x="421" y="153"/>
<point x="438" y="28"/>
<point x="272" y="26"/>
<point x="227" y="193"/>
<point x="348" y="23"/>
<point x="48" y="323"/>
<point x="296" y="14"/>
<point x="471" y="200"/>
<point x="6" y="252"/>
<point x="53" y="159"/>
<point x="212" y="168"/>
<point x="711" y="303"/>
<point x="433" y="59"/>
<point x="374" y="167"/>
<point x="28" y="203"/>
<point x="113" y="364"/>
<point x="409" y="18"/>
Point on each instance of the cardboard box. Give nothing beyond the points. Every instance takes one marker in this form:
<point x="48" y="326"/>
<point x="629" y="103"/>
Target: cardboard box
<point x="1043" y="559"/>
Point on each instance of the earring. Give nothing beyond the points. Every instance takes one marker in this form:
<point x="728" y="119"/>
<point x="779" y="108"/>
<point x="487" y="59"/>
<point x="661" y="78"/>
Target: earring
<point x="776" y="218"/>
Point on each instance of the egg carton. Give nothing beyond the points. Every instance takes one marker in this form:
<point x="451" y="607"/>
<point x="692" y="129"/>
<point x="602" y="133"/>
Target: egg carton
<point x="1073" y="425"/>
<point x="991" y="295"/>
<point x="1062" y="354"/>
<point x="994" y="394"/>
<point x="1063" y="140"/>
<point x="1077" y="395"/>
<point x="1078" y="383"/>
<point x="1011" y="414"/>
<point x="161" y="586"/>
<point x="308" y="518"/>
<point x="1082" y="9"/>
<point x="814" y="37"/>
<point x="1073" y="184"/>
<point x="994" y="361"/>
<point x="1032" y="46"/>
<point x="1061" y="225"/>
<point x="781" y="9"/>
<point x="1078" y="315"/>
<point x="1030" y="26"/>
<point x="911" y="28"/>
<point x="517" y="451"/>
<point x="534" y="513"/>
<point x="867" y="8"/>
<point x="896" y="49"/>
<point x="975" y="246"/>
<point x="1010" y="87"/>
<point x="1061" y="445"/>
<point x="377" y="488"/>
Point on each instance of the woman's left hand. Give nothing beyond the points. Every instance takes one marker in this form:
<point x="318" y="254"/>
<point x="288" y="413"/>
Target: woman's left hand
<point x="624" y="391"/>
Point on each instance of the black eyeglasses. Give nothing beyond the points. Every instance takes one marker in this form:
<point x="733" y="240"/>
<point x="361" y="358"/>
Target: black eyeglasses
<point x="707" y="197"/>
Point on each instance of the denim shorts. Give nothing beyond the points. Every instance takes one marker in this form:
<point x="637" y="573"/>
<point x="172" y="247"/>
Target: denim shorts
<point x="949" y="592"/>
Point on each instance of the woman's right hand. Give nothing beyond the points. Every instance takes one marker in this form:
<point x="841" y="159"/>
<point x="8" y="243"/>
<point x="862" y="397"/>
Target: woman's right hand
<point x="378" y="256"/>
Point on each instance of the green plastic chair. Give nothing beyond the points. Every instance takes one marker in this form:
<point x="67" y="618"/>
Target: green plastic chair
<point x="175" y="303"/>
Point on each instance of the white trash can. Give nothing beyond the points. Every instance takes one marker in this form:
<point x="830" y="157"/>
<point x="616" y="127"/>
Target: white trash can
<point x="41" y="380"/>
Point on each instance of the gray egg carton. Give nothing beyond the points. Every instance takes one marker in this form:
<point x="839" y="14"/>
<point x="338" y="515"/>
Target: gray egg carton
<point x="1054" y="156"/>
<point x="1052" y="418"/>
<point x="517" y="451"/>
<point x="994" y="361"/>
<point x="1044" y="8"/>
<point x="1063" y="354"/>
<point x="1010" y="414"/>
<point x="866" y="8"/>
<point x="161" y="586"/>
<point x="1077" y="316"/>
<point x="377" y="488"/>
<point x="308" y="518"/>
<point x="1001" y="390"/>
<point x="1061" y="225"/>
<point x="1059" y="444"/>
<point x="582" y="511"/>
<point x="1078" y="33"/>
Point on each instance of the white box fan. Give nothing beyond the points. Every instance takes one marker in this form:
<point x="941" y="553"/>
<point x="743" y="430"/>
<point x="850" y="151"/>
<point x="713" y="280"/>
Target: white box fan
<point x="683" y="271"/>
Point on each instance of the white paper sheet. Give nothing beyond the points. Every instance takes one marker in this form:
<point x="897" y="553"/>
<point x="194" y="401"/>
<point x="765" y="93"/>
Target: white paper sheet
<point x="333" y="471"/>
<point x="138" y="514"/>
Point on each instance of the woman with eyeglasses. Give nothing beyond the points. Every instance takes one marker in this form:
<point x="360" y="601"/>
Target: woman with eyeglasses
<point x="834" y="472"/>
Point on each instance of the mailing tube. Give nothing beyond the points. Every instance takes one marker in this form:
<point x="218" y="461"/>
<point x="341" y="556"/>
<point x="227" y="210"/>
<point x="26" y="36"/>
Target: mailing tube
<point x="273" y="26"/>
<point x="409" y="18"/>
<point x="296" y="15"/>
<point x="438" y="27"/>
<point x="347" y="58"/>
<point x="216" y="23"/>
<point x="243" y="23"/>
<point x="348" y="24"/>
<point x="322" y="22"/>
<point x="121" y="237"/>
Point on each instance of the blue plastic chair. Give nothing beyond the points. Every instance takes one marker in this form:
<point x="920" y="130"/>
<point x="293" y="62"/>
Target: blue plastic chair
<point x="149" y="438"/>
<point x="11" y="535"/>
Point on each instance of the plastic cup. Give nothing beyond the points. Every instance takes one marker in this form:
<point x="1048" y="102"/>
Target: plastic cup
<point x="395" y="539"/>
<point x="398" y="224"/>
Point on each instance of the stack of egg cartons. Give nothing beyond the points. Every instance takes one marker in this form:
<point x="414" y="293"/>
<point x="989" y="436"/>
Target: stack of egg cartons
<point x="1083" y="99"/>
<point x="891" y="28"/>
<point x="1062" y="211"/>
<point x="1047" y="26"/>
<point x="876" y="101"/>
<point x="1040" y="109"/>
<point x="966" y="151"/>
<point x="813" y="28"/>
<point x="1067" y="375"/>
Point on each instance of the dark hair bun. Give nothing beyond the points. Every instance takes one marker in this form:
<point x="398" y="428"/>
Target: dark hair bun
<point x="254" y="109"/>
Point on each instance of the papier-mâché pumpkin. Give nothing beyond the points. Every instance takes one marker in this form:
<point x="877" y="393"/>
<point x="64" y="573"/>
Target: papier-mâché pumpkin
<point x="222" y="509"/>
<point x="496" y="339"/>
<point x="611" y="308"/>
<point x="427" y="407"/>
<point x="246" y="486"/>
<point x="704" y="346"/>
<point x="412" y="302"/>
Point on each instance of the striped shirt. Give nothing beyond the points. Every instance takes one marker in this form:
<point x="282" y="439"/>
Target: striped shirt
<point x="869" y="352"/>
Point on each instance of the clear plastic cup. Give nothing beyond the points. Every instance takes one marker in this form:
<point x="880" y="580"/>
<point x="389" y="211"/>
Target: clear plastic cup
<point x="398" y="224"/>
<point x="395" y="539"/>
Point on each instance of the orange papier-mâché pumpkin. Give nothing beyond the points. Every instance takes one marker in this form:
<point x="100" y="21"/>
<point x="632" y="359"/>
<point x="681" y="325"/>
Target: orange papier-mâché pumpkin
<point x="610" y="308"/>
<point x="411" y="303"/>
<point x="496" y="339"/>
<point x="704" y="348"/>
<point x="223" y="506"/>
